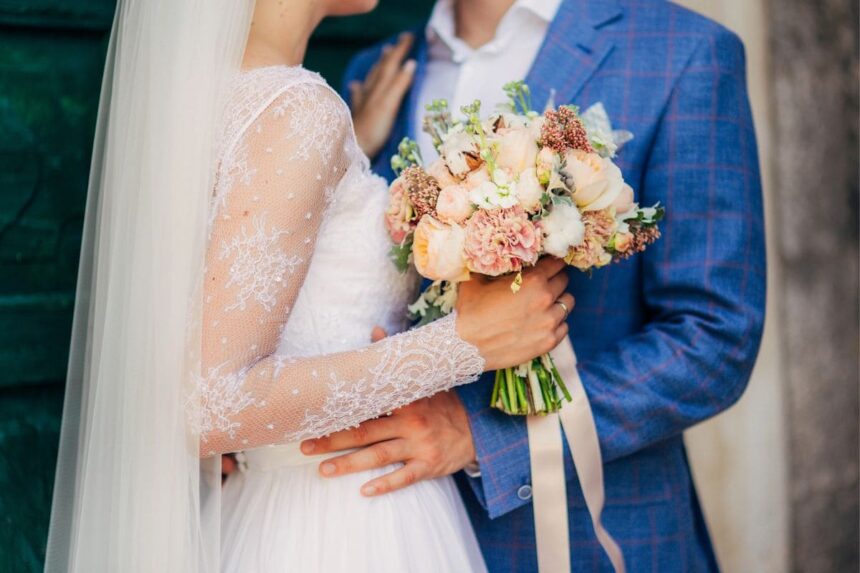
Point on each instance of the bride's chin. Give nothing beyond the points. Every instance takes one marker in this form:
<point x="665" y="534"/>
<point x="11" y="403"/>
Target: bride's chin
<point x="350" y="7"/>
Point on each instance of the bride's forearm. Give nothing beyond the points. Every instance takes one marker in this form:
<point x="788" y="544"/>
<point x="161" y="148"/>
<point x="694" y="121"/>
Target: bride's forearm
<point x="281" y="400"/>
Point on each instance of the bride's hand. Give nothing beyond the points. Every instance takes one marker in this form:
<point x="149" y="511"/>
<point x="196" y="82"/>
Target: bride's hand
<point x="376" y="100"/>
<point x="511" y="328"/>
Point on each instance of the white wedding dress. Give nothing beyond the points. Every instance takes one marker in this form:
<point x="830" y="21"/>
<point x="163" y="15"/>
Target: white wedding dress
<point x="297" y="275"/>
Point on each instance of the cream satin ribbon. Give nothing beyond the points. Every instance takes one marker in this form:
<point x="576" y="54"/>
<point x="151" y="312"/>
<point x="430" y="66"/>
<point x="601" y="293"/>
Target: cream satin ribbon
<point x="549" y="489"/>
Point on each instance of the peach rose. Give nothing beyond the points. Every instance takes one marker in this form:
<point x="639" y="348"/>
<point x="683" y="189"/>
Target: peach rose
<point x="440" y="172"/>
<point x="437" y="251"/>
<point x="529" y="191"/>
<point x="400" y="213"/>
<point x="536" y="126"/>
<point x="453" y="205"/>
<point x="477" y="178"/>
<point x="517" y="149"/>
<point x="624" y="202"/>
<point x="597" y="181"/>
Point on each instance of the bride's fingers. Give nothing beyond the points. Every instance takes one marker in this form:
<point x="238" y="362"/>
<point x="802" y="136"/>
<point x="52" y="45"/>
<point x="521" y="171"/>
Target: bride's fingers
<point x="372" y="457"/>
<point x="413" y="472"/>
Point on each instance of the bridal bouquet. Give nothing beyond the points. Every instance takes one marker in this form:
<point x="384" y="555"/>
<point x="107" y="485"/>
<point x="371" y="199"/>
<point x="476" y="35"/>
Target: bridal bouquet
<point x="508" y="189"/>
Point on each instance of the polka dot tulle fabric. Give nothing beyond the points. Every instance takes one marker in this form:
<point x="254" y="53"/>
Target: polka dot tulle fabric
<point x="297" y="275"/>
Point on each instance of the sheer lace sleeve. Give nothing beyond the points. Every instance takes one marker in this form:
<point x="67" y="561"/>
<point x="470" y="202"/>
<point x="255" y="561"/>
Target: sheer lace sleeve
<point x="274" y="191"/>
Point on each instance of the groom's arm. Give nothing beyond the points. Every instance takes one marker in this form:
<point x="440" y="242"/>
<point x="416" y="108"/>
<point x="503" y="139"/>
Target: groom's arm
<point x="703" y="287"/>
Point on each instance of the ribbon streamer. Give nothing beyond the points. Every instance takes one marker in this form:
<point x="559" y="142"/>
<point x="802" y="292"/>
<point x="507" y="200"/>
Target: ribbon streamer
<point x="549" y="487"/>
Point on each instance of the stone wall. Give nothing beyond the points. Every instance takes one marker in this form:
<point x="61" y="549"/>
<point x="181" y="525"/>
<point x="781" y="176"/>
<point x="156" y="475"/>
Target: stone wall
<point x="814" y="48"/>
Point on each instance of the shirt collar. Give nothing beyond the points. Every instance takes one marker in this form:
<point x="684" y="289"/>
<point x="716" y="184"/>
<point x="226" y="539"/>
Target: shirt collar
<point x="441" y="27"/>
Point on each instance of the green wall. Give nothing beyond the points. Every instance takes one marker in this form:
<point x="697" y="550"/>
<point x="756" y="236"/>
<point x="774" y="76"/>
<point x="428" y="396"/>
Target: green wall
<point x="51" y="57"/>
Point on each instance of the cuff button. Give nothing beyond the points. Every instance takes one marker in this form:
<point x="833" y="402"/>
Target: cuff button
<point x="525" y="492"/>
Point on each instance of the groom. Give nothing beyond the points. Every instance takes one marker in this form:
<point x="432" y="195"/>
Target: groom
<point x="665" y="340"/>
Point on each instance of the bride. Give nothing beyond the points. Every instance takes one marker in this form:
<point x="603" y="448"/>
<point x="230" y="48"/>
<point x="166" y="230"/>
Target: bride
<point x="234" y="264"/>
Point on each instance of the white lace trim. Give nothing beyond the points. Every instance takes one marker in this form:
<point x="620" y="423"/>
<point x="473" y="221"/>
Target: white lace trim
<point x="412" y="366"/>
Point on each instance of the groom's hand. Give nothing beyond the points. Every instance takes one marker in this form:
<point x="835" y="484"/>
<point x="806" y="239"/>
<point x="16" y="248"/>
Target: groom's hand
<point x="431" y="437"/>
<point x="376" y="101"/>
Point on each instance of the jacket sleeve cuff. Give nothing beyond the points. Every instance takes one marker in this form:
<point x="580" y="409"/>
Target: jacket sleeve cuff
<point x="501" y="445"/>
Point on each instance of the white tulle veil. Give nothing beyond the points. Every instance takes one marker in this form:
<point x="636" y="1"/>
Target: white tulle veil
<point x="129" y="494"/>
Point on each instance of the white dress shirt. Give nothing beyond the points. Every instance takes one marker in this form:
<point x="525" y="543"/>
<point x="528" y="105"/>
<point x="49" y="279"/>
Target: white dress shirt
<point x="460" y="74"/>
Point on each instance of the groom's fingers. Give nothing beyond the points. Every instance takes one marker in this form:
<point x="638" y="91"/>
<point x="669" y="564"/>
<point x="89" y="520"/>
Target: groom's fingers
<point x="392" y="60"/>
<point x="367" y="433"/>
<point x="413" y="472"/>
<point x="375" y="456"/>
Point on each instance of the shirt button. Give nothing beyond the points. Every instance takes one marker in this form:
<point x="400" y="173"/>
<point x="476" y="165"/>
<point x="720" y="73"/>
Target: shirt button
<point x="525" y="492"/>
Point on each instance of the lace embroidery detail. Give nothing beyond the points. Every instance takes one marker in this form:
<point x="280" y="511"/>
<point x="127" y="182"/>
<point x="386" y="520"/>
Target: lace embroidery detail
<point x="260" y="266"/>
<point x="222" y="398"/>
<point x="311" y="127"/>
<point x="251" y="93"/>
<point x="411" y="366"/>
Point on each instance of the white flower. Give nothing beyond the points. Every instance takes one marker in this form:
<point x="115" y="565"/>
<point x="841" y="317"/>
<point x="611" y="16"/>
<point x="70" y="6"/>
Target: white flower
<point x="488" y="195"/>
<point x="457" y="149"/>
<point x="529" y="190"/>
<point x="562" y="230"/>
<point x="498" y="193"/>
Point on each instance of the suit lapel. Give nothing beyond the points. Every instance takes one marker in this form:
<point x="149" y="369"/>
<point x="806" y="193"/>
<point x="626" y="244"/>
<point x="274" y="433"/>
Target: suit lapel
<point x="574" y="48"/>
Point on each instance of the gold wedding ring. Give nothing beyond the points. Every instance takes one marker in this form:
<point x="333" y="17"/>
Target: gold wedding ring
<point x="564" y="306"/>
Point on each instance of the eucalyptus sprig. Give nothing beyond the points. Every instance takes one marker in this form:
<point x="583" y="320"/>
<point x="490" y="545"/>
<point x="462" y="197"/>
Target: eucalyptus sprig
<point x="408" y="154"/>
<point x="519" y="96"/>
<point x="437" y="122"/>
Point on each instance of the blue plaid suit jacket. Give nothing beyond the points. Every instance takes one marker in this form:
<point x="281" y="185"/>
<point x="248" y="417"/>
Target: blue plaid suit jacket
<point x="666" y="339"/>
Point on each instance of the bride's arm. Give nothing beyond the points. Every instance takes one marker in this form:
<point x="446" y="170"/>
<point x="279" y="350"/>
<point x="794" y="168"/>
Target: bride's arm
<point x="261" y="244"/>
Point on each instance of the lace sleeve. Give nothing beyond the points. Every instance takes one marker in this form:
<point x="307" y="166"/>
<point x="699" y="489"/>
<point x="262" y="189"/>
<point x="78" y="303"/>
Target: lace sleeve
<point x="276" y="187"/>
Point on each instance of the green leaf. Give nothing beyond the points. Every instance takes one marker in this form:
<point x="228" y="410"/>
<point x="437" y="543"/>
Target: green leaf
<point x="432" y="313"/>
<point x="401" y="254"/>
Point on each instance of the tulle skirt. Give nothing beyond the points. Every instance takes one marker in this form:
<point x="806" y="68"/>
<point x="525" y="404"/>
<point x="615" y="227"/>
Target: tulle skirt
<point x="279" y="515"/>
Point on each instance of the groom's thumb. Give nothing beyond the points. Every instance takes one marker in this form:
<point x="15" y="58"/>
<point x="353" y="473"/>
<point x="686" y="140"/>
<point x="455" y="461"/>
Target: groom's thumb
<point x="377" y="334"/>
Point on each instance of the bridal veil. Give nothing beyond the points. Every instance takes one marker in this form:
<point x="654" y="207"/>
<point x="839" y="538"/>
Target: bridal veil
<point x="129" y="495"/>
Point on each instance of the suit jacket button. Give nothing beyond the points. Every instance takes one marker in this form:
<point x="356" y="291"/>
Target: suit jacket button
<point x="525" y="492"/>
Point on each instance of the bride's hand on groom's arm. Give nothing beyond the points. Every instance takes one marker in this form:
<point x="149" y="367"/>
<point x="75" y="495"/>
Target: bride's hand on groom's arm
<point x="376" y="100"/>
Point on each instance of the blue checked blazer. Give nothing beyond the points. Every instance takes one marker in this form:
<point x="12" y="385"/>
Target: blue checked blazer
<point x="666" y="339"/>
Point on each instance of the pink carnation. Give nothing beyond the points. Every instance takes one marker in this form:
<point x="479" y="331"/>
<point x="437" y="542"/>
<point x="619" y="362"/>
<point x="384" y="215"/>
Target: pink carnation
<point x="500" y="241"/>
<point x="400" y="215"/>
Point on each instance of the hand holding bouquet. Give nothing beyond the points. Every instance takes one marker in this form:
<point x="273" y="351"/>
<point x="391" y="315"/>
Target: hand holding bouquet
<point x="507" y="190"/>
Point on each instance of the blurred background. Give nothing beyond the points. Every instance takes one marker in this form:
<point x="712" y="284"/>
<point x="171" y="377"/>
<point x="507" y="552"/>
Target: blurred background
<point x="778" y="473"/>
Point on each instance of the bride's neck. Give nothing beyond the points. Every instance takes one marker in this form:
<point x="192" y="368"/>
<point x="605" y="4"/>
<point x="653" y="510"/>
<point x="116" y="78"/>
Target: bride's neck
<point x="279" y="35"/>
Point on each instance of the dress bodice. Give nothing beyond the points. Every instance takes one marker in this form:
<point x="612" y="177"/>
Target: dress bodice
<point x="298" y="274"/>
